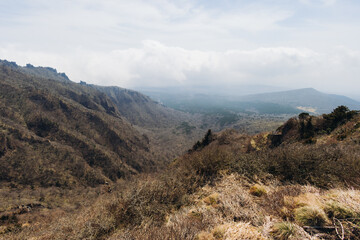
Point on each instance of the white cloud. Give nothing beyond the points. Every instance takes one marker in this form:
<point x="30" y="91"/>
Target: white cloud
<point x="155" y="64"/>
<point x="317" y="2"/>
<point x="109" y="24"/>
<point x="284" y="43"/>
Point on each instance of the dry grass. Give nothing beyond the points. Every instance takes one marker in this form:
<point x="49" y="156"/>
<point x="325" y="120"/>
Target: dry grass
<point x="243" y="230"/>
<point x="223" y="210"/>
<point x="232" y="231"/>
<point x="347" y="198"/>
<point x="212" y="200"/>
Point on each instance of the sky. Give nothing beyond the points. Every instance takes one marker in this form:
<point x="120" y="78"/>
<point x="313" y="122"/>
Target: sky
<point x="166" y="43"/>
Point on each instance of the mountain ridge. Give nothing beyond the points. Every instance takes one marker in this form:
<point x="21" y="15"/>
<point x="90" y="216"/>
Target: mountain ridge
<point x="305" y="97"/>
<point x="140" y="109"/>
<point x="73" y="131"/>
<point x="112" y="131"/>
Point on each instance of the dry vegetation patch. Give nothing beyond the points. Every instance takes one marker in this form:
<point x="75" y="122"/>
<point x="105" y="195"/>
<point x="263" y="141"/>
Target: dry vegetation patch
<point x="232" y="187"/>
<point x="222" y="210"/>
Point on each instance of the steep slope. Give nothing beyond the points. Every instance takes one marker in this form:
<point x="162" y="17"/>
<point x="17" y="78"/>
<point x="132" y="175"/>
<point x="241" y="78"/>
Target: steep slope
<point x="141" y="110"/>
<point x="307" y="99"/>
<point x="56" y="132"/>
<point x="170" y="132"/>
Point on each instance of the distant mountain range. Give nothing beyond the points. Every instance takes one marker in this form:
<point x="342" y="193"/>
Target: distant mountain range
<point x="306" y="99"/>
<point x="280" y="102"/>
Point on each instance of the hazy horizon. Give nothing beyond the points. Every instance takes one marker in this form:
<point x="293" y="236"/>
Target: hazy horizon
<point x="218" y="45"/>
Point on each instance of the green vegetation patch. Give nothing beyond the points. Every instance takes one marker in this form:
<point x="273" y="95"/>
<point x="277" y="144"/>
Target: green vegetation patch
<point x="283" y="230"/>
<point x="337" y="210"/>
<point x="310" y="216"/>
<point x="186" y="128"/>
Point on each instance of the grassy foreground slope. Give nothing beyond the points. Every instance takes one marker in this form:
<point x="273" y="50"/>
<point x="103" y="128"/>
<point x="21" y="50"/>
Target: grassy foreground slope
<point x="296" y="183"/>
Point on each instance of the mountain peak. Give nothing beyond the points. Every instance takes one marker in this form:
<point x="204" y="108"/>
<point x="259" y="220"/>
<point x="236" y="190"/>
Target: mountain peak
<point x="44" y="72"/>
<point x="307" y="90"/>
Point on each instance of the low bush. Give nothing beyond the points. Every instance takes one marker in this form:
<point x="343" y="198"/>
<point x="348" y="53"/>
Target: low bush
<point x="257" y="190"/>
<point x="337" y="210"/>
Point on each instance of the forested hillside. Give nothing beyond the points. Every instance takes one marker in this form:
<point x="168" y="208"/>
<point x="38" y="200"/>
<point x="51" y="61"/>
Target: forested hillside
<point x="58" y="133"/>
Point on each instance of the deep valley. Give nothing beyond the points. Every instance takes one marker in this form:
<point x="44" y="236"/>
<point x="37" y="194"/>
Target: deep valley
<point x="81" y="161"/>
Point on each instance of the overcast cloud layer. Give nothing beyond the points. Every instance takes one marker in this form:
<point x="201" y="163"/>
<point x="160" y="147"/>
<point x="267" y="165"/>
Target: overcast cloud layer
<point x="289" y="44"/>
